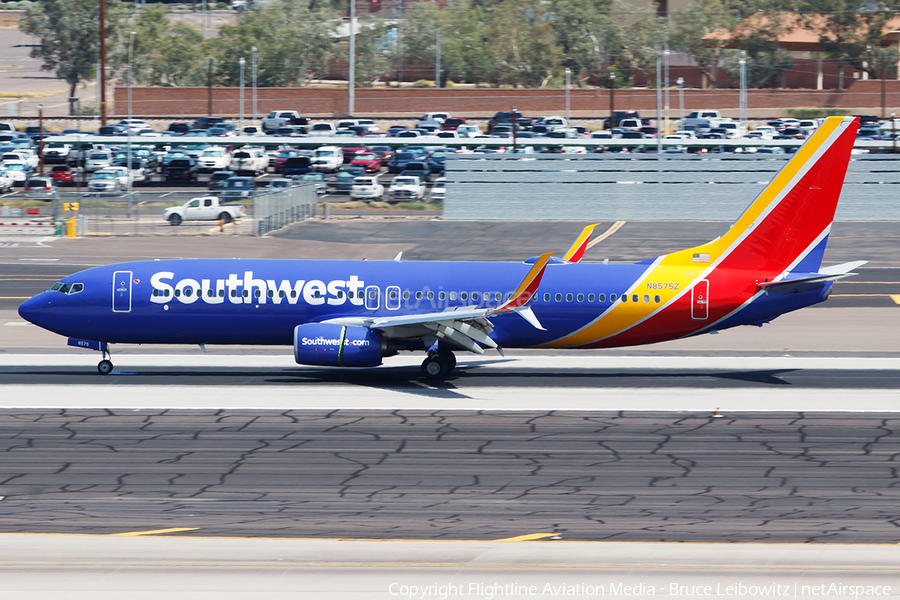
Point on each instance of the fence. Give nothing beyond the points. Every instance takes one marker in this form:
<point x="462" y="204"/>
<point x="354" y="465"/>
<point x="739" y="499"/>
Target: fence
<point x="629" y="187"/>
<point x="275" y="210"/>
<point x="141" y="213"/>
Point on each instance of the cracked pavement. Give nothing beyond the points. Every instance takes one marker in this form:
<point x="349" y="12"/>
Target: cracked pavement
<point x="408" y="474"/>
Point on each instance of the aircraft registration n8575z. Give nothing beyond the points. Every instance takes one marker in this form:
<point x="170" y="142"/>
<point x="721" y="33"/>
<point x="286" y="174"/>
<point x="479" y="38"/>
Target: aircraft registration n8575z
<point x="354" y="313"/>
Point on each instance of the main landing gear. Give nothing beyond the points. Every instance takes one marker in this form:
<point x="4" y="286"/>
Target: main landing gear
<point x="105" y="366"/>
<point x="438" y="364"/>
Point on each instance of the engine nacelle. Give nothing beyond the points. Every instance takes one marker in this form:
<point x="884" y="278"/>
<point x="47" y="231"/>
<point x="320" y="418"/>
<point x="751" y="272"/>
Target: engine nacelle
<point x="333" y="345"/>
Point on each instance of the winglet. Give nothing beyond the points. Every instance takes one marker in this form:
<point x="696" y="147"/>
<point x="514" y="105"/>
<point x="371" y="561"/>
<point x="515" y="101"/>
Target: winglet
<point x="576" y="252"/>
<point x="528" y="286"/>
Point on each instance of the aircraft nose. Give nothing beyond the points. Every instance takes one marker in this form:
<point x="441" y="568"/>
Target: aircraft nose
<point x="31" y="309"/>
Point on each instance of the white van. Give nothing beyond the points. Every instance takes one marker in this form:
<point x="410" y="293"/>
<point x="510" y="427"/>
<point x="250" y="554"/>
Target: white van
<point x="6" y="127"/>
<point x="327" y="158"/>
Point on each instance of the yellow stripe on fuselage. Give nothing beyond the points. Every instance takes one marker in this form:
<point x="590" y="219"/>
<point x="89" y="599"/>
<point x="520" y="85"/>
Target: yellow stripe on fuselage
<point x="679" y="267"/>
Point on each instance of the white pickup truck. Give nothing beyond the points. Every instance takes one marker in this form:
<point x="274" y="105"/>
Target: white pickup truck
<point x="283" y="118"/>
<point x="406" y="188"/>
<point x="205" y="208"/>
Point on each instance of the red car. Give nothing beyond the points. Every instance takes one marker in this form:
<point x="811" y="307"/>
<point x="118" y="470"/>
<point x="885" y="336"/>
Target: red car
<point x="367" y="160"/>
<point x="62" y="175"/>
<point x="277" y="163"/>
<point x="452" y="123"/>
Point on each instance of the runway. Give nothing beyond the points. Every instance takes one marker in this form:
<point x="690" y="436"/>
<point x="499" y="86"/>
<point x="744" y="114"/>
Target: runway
<point x="101" y="567"/>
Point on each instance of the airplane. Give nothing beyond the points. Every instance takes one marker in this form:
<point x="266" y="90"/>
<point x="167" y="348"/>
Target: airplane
<point x="355" y="313"/>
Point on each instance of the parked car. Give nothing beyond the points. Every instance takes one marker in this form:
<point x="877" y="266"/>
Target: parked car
<point x="179" y="128"/>
<point x="327" y="159"/>
<point x="206" y="122"/>
<point x="206" y="208"/>
<point x="505" y="118"/>
<point x="280" y="183"/>
<point x="56" y="153"/>
<point x="369" y="161"/>
<point x="18" y="170"/>
<point x="617" y="117"/>
<point x="406" y="188"/>
<point x="62" y="175"/>
<point x="98" y="160"/>
<point x="217" y="180"/>
<point x="185" y="169"/>
<point x="296" y="165"/>
<point x="322" y="129"/>
<point x="366" y="188"/>
<point x="104" y="180"/>
<point x="238" y="188"/>
<point x="399" y="161"/>
<point x="383" y="152"/>
<point x="214" y="159"/>
<point x="452" y="123"/>
<point x="417" y="168"/>
<point x="439" y="189"/>
<point x="436" y="161"/>
<point x="249" y="160"/>
<point x="40" y="187"/>
<point x="469" y="131"/>
<point x="282" y="118"/>
<point x="252" y="130"/>
<point x="343" y="181"/>
<point x="317" y="179"/>
<point x="6" y="180"/>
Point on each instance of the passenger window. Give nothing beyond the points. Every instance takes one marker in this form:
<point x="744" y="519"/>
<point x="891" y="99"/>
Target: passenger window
<point x="188" y="291"/>
<point x="222" y="294"/>
<point x="509" y="296"/>
<point x="498" y="297"/>
<point x="602" y="297"/>
<point x="194" y="204"/>
<point x="453" y="295"/>
<point x="624" y="298"/>
<point x="373" y="295"/>
<point x="166" y="294"/>
<point x="634" y="298"/>
<point x="442" y="296"/>
<point x="463" y="296"/>
<point x="418" y="295"/>
<point x="207" y="202"/>
<point x="246" y="294"/>
<point x="581" y="297"/>
<point x="569" y="297"/>
<point x="430" y="295"/>
<point x="294" y="294"/>
<point x="656" y="298"/>
<point x="474" y="296"/>
<point x="590" y="297"/>
<point x="393" y="295"/>
<point x="646" y="299"/>
<point x="234" y="293"/>
<point x="559" y="297"/>
<point x="281" y="293"/>
<point x="177" y="293"/>
<point x="546" y="297"/>
<point x="317" y="294"/>
<point x="156" y="292"/>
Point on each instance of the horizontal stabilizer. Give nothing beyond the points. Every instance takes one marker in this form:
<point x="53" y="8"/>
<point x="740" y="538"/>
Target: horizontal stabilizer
<point x="798" y="282"/>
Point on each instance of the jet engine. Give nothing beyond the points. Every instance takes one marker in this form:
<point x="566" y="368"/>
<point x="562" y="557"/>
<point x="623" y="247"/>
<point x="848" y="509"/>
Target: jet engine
<point x="333" y="345"/>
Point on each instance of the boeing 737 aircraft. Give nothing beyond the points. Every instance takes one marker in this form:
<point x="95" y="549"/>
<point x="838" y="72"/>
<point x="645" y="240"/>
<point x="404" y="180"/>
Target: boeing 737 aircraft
<point x="355" y="313"/>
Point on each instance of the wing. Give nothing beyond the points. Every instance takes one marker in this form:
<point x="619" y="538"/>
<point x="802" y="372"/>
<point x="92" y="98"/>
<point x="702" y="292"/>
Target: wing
<point x="465" y="326"/>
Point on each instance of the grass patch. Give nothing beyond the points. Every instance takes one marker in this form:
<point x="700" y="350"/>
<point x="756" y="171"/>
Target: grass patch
<point x="436" y="205"/>
<point x="816" y="113"/>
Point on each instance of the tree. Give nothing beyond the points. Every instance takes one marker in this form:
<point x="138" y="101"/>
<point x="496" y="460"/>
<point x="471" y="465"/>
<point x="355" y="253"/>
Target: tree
<point x="164" y="53"/>
<point x="584" y="30"/>
<point x="70" y="36"/>
<point x="693" y="27"/>
<point x="523" y="44"/>
<point x="293" y="41"/>
<point x="374" y="52"/>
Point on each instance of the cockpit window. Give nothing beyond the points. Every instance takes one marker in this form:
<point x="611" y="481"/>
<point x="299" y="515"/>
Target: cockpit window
<point x="67" y="288"/>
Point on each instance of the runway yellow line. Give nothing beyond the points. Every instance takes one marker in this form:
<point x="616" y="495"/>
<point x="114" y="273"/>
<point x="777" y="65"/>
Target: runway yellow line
<point x="527" y="538"/>
<point x="154" y="532"/>
<point x="612" y="229"/>
<point x="348" y="539"/>
<point x="14" y="297"/>
<point x="895" y="298"/>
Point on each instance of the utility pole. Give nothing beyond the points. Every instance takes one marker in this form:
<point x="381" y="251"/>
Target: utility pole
<point x="658" y="107"/>
<point x="253" y="51"/>
<point x="437" y="57"/>
<point x="128" y="164"/>
<point x="400" y="43"/>
<point x="515" y="125"/>
<point x="568" y="76"/>
<point x="351" y="76"/>
<point x="209" y="88"/>
<point x="666" y="87"/>
<point x="102" y="76"/>
<point x="742" y="108"/>
<point x="680" y="83"/>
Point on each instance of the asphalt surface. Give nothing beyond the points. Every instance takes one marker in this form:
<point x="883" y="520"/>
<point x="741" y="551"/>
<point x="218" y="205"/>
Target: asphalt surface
<point x="643" y="476"/>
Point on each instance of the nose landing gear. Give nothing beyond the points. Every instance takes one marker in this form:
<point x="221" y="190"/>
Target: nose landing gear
<point x="438" y="365"/>
<point x="105" y="366"/>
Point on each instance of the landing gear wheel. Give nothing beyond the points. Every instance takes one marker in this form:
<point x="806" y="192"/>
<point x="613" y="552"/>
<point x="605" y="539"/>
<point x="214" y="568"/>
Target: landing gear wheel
<point x="449" y="357"/>
<point x="105" y="367"/>
<point x="435" y="367"/>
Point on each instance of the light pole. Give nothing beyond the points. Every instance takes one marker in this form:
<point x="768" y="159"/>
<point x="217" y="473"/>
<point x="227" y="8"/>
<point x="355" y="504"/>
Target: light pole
<point x="437" y="57"/>
<point x="742" y="108"/>
<point x="128" y="163"/>
<point x="612" y="99"/>
<point x="41" y="138"/>
<point x="241" y="122"/>
<point x="351" y="75"/>
<point x="399" y="43"/>
<point x="666" y="86"/>
<point x="658" y="105"/>
<point x="253" y="53"/>
<point x="893" y="133"/>
<point x="680" y="83"/>
<point x="568" y="75"/>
